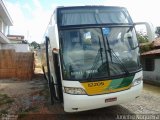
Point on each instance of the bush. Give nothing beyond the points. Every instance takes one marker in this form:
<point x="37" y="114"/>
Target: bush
<point x="147" y="47"/>
<point x="142" y="38"/>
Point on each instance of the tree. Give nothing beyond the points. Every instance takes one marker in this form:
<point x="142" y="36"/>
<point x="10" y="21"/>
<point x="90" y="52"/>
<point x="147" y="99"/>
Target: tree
<point x="158" y="31"/>
<point x="142" y="38"/>
<point x="35" y="44"/>
<point x="25" y="42"/>
<point x="146" y="47"/>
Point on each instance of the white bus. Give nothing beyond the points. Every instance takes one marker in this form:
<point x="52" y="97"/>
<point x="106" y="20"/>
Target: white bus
<point x="90" y="57"/>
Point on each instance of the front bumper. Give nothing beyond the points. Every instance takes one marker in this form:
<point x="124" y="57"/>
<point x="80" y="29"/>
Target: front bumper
<point x="76" y="103"/>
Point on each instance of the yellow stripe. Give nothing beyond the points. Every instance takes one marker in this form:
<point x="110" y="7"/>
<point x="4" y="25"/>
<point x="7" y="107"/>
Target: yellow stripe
<point x="100" y="87"/>
<point x="96" y="87"/>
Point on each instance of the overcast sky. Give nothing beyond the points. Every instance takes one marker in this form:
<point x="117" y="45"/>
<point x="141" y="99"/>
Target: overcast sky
<point x="31" y="17"/>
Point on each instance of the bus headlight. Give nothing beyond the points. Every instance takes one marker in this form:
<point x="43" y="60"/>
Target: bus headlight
<point x="137" y="81"/>
<point x="74" y="90"/>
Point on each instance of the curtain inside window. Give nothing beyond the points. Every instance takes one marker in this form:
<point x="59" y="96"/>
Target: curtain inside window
<point x="93" y="16"/>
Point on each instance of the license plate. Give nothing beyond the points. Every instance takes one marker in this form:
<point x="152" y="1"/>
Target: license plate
<point x="111" y="99"/>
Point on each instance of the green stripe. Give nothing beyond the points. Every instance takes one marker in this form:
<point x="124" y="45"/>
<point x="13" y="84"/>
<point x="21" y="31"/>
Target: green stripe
<point x="115" y="83"/>
<point x="126" y="82"/>
<point x="120" y="83"/>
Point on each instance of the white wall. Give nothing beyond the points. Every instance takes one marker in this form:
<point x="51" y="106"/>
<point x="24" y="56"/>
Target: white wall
<point x="17" y="47"/>
<point x="5" y="31"/>
<point x="153" y="75"/>
<point x="3" y="27"/>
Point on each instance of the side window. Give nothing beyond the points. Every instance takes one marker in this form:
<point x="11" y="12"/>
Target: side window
<point x="149" y="64"/>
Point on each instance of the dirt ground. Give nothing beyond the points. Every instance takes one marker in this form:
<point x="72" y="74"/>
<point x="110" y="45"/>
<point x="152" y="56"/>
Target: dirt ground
<point x="29" y="100"/>
<point x="24" y="96"/>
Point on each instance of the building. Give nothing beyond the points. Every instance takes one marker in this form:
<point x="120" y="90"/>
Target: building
<point x="16" y="38"/>
<point x="9" y="41"/>
<point x="151" y="64"/>
<point x="5" y="23"/>
<point x="17" y="43"/>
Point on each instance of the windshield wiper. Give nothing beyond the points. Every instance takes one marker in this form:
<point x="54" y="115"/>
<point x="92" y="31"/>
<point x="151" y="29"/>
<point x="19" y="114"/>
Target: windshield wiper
<point x="97" y="58"/>
<point x="110" y="53"/>
<point x="95" y="63"/>
<point x="120" y="62"/>
<point x="100" y="49"/>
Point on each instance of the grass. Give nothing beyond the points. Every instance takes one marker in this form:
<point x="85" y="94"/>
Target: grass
<point x="45" y="93"/>
<point x="4" y="99"/>
<point x="3" y="112"/>
<point x="24" y="113"/>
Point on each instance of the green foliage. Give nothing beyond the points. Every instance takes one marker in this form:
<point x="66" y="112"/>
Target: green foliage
<point x="158" y="31"/>
<point x="25" y="42"/>
<point x="144" y="43"/>
<point x="147" y="47"/>
<point x="35" y="44"/>
<point x="4" y="99"/>
<point x="142" y="38"/>
<point x="3" y="112"/>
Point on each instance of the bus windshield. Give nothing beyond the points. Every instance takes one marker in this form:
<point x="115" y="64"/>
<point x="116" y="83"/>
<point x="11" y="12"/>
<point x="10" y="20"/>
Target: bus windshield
<point x="100" y="52"/>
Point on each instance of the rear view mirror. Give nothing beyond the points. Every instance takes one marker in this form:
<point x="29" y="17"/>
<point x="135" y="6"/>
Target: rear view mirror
<point x="128" y="37"/>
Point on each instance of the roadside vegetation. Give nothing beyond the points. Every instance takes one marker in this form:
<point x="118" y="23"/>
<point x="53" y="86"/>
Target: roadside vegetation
<point x="145" y="45"/>
<point x="5" y="102"/>
<point x="4" y="99"/>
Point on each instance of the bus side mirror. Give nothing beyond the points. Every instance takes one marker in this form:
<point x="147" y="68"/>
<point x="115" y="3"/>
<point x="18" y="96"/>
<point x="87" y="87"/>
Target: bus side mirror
<point x="53" y="37"/>
<point x="149" y="28"/>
